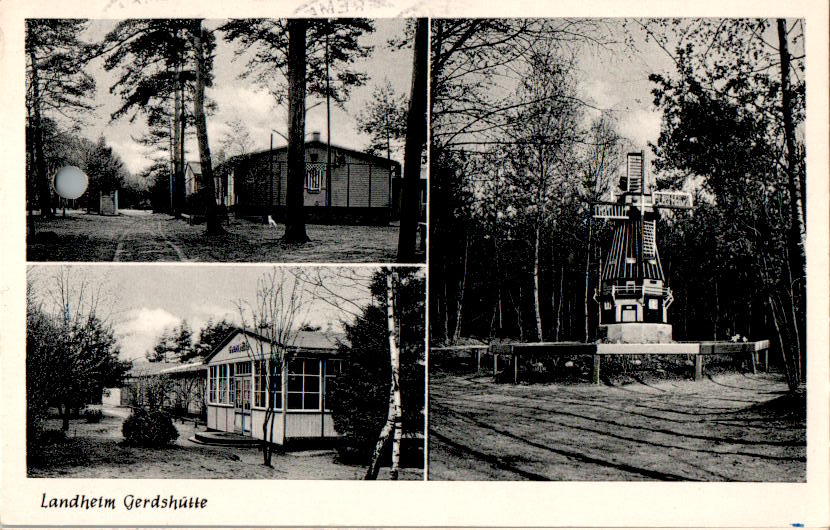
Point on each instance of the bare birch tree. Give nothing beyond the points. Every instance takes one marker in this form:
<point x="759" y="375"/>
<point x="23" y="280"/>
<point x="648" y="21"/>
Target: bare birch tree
<point x="274" y="318"/>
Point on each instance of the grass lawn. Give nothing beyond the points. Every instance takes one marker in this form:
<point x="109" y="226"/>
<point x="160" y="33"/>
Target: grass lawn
<point x="145" y="236"/>
<point x="728" y="427"/>
<point x="95" y="450"/>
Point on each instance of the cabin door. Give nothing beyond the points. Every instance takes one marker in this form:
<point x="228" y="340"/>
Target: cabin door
<point x="242" y="405"/>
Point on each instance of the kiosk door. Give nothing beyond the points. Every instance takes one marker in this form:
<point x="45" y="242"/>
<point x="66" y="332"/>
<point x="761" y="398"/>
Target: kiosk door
<point x="242" y="405"/>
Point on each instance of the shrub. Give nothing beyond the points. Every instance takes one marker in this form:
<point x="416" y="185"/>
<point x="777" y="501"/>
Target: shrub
<point x="149" y="428"/>
<point x="93" y="415"/>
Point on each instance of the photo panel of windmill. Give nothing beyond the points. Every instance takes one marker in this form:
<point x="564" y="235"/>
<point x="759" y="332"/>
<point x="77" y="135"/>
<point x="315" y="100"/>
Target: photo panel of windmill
<point x="617" y="250"/>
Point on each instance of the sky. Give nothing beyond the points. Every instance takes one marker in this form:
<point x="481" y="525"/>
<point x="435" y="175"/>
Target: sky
<point x="238" y="98"/>
<point x="142" y="301"/>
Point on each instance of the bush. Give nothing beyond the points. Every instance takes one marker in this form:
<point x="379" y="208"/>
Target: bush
<point x="93" y="415"/>
<point x="149" y="428"/>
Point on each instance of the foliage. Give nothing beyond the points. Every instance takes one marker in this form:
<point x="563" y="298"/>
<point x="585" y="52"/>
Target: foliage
<point x="384" y="119"/>
<point x="70" y="349"/>
<point x="153" y="428"/>
<point x="174" y="344"/>
<point x="360" y="396"/>
<point x="154" y="56"/>
<point x="725" y="129"/>
<point x="268" y="65"/>
<point x="211" y="335"/>
<point x="93" y="415"/>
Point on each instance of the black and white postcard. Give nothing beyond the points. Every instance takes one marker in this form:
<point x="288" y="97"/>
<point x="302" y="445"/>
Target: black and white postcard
<point x="414" y="263"/>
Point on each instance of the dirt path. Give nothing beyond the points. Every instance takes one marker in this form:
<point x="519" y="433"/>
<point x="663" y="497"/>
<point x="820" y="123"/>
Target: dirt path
<point x="139" y="236"/>
<point x="95" y="450"/>
<point x="728" y="428"/>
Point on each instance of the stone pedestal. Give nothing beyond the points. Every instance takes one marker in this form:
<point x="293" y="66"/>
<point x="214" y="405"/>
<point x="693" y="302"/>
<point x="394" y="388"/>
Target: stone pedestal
<point x="635" y="332"/>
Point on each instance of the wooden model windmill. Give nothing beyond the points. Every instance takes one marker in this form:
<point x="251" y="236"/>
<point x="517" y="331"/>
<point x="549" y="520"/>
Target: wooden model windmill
<point x="633" y="294"/>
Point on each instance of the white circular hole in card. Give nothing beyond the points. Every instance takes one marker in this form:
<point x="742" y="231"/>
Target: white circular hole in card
<point x="70" y="182"/>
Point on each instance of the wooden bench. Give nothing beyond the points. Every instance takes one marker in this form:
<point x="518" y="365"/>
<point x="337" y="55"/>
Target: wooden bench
<point x="698" y="349"/>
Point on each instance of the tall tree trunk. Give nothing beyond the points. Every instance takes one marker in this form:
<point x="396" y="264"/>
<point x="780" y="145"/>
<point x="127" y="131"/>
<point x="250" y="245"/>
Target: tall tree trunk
<point x="393" y="425"/>
<point x="536" y="304"/>
<point x="461" y="289"/>
<point x="208" y="187"/>
<point x="295" y="214"/>
<point x="176" y="164"/>
<point x="795" y="244"/>
<point x="64" y="411"/>
<point x="43" y="185"/>
<point x="416" y="136"/>
<point x="588" y="271"/>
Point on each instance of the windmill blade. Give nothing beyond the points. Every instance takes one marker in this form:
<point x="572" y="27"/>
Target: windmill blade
<point x="610" y="211"/>
<point x="673" y="200"/>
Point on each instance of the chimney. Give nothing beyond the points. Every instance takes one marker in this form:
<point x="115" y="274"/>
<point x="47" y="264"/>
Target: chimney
<point x="315" y="136"/>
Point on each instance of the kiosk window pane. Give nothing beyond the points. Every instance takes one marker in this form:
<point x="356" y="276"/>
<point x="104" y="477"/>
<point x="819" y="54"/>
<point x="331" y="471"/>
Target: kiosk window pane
<point x="212" y="385"/>
<point x="311" y="401"/>
<point x="276" y="380"/>
<point x="303" y="385"/>
<point x="295" y="401"/>
<point x="261" y="384"/>
<point x="312" y="383"/>
<point x="295" y="383"/>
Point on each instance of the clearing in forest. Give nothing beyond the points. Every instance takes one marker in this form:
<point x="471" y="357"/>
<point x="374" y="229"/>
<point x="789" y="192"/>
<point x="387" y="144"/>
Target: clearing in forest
<point x="729" y="427"/>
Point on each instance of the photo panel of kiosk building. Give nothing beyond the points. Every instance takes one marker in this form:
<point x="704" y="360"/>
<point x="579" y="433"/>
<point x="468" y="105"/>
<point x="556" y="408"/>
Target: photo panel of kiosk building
<point x="243" y="367"/>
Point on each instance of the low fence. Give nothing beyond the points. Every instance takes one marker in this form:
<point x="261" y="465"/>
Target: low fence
<point x="514" y="351"/>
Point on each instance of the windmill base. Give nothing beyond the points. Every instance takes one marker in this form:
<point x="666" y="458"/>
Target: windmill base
<point x="635" y="333"/>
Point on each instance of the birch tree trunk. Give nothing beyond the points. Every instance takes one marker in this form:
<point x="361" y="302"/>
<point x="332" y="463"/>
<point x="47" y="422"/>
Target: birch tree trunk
<point x="536" y="304"/>
<point x="393" y="425"/>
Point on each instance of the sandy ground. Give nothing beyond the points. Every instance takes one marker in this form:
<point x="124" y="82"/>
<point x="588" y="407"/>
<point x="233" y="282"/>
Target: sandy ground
<point x="143" y="236"/>
<point x="729" y="427"/>
<point x="95" y="450"/>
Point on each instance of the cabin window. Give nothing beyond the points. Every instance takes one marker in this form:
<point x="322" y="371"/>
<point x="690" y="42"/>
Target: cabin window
<point x="314" y="178"/>
<point x="606" y="305"/>
<point x="303" y="385"/>
<point x="212" y="380"/>
<point x="652" y="304"/>
<point x="332" y="370"/>
<point x="260" y="383"/>
<point x="223" y="384"/>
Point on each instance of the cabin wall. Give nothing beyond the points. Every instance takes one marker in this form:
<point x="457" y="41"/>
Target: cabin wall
<point x="260" y="183"/>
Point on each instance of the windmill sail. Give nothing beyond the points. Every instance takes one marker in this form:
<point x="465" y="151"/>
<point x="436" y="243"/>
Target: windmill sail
<point x="635" y="172"/>
<point x="649" y="247"/>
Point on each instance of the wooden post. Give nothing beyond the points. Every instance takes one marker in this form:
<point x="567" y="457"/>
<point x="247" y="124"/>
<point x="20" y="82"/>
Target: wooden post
<point x="495" y="363"/>
<point x="752" y="360"/>
<point x="698" y="367"/>
<point x="478" y="360"/>
<point x="595" y="370"/>
<point x="766" y="361"/>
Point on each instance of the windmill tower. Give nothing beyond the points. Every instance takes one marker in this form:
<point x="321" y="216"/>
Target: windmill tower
<point x="633" y="294"/>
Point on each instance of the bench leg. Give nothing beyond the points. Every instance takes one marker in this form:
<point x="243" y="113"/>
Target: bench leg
<point x="515" y="369"/>
<point x="698" y="367"/>
<point x="595" y="370"/>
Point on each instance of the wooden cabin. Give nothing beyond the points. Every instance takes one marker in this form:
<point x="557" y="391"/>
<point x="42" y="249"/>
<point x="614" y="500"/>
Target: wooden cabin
<point x="238" y="381"/>
<point x="358" y="190"/>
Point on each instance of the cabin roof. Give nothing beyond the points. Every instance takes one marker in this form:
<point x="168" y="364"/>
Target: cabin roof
<point x="317" y="342"/>
<point x="378" y="160"/>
